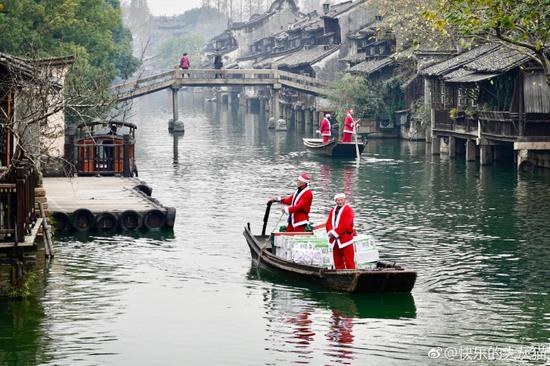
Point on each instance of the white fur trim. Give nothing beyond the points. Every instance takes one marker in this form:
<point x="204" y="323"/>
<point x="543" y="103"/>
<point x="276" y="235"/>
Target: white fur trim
<point x="335" y="223"/>
<point x="326" y="134"/>
<point x="305" y="222"/>
<point x="343" y="245"/>
<point x="294" y="200"/>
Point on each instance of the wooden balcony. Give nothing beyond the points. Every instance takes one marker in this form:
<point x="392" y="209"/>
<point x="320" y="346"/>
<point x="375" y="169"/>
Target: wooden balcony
<point x="507" y="126"/>
<point x="460" y="125"/>
<point x="499" y="124"/>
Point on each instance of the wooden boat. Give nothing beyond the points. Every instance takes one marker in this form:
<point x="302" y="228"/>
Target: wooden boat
<point x="385" y="277"/>
<point x="333" y="147"/>
<point x="105" y="148"/>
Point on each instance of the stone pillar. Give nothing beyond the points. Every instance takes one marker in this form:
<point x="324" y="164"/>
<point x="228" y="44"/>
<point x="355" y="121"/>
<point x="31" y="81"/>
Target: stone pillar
<point x="470" y="150"/>
<point x="486" y="154"/>
<point x="175" y="125"/>
<point x="276" y="108"/>
<point x="175" y="104"/>
<point x="452" y="147"/>
<point x="436" y="145"/>
<point x="299" y="115"/>
<point x="262" y="106"/>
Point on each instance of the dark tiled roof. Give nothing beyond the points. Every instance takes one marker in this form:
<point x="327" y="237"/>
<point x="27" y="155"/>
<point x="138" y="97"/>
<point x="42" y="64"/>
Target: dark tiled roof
<point x="488" y="65"/>
<point x="499" y="61"/>
<point x="15" y="62"/>
<point x="368" y="29"/>
<point x="306" y="56"/>
<point x="368" y="67"/>
<point x="458" y="61"/>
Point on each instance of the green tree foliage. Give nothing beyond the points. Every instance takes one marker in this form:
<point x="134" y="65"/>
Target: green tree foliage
<point x="523" y="25"/>
<point x="413" y="31"/>
<point x="90" y="30"/>
<point x="370" y="99"/>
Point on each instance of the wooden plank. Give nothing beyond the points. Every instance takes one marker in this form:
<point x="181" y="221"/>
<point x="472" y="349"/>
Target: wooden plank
<point x="98" y="194"/>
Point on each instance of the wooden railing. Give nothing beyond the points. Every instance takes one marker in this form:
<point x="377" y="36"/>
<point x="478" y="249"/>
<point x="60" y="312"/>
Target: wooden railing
<point x="17" y="203"/>
<point x="177" y="78"/>
<point x="461" y="124"/>
<point x="499" y="124"/>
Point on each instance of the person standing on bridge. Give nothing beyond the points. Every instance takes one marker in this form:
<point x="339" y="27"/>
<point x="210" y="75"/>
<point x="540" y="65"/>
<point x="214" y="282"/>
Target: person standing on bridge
<point x="297" y="205"/>
<point x="349" y="126"/>
<point x="184" y="65"/>
<point x="325" y="129"/>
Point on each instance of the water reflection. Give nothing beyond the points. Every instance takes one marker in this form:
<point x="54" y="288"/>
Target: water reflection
<point x="340" y="335"/>
<point x="176" y="137"/>
<point x="302" y="320"/>
<point x="22" y="338"/>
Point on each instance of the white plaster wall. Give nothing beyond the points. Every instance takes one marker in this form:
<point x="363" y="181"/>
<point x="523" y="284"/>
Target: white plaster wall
<point x="327" y="68"/>
<point x="353" y="20"/>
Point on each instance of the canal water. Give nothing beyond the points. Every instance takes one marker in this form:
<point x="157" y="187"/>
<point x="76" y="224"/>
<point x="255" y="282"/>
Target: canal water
<point x="478" y="237"/>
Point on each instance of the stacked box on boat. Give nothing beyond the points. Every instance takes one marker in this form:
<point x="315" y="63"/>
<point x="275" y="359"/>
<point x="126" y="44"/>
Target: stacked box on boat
<point x="313" y="249"/>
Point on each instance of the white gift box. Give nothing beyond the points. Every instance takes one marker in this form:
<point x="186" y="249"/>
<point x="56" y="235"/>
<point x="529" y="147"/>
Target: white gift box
<point x="367" y="256"/>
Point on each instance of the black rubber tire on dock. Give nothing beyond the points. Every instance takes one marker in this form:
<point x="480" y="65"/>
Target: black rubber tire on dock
<point x="130" y="220"/>
<point x="170" y="216"/>
<point x="106" y="222"/>
<point x="154" y="219"/>
<point x="83" y="220"/>
<point x="61" y="221"/>
<point x="144" y="188"/>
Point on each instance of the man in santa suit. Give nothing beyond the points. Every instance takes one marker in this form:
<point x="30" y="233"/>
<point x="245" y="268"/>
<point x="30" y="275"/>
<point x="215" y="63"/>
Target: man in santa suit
<point x="340" y="231"/>
<point x="324" y="128"/>
<point x="349" y="125"/>
<point x="297" y="205"/>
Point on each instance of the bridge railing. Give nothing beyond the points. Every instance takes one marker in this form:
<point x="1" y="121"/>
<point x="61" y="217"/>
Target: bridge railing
<point x="301" y="79"/>
<point x="225" y="74"/>
<point x="200" y="76"/>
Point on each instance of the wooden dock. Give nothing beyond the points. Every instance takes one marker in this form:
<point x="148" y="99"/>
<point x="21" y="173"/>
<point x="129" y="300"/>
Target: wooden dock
<point x="105" y="203"/>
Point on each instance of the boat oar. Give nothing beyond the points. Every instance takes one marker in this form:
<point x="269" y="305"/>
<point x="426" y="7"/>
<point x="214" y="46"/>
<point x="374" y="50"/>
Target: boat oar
<point x="356" y="144"/>
<point x="278" y="221"/>
<point x="266" y="216"/>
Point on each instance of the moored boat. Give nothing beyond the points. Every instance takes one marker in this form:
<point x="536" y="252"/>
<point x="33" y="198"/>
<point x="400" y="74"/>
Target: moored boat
<point x="334" y="147"/>
<point x="385" y="277"/>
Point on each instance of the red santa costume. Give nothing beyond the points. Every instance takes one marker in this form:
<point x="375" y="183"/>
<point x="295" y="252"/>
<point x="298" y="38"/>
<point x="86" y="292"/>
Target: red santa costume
<point x="348" y="127"/>
<point x="298" y="205"/>
<point x="324" y="128"/>
<point x="340" y="228"/>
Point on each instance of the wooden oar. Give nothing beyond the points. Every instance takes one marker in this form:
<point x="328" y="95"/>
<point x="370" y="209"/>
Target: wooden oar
<point x="266" y="216"/>
<point x="356" y="144"/>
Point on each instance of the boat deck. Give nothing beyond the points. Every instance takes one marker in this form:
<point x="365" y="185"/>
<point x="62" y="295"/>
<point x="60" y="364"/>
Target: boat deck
<point x="97" y="194"/>
<point x="86" y="203"/>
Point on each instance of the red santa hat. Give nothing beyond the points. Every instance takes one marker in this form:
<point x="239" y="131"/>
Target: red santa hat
<point x="339" y="195"/>
<point x="327" y="114"/>
<point x="303" y="177"/>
